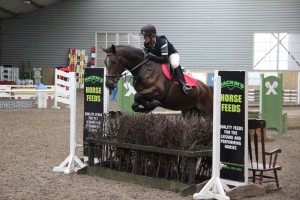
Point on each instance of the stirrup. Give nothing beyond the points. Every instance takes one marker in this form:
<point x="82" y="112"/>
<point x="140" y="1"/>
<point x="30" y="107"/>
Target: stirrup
<point x="187" y="88"/>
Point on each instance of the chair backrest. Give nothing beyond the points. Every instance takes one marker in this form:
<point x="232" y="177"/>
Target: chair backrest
<point x="256" y="133"/>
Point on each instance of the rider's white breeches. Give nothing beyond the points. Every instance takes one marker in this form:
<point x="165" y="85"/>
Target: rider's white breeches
<point x="174" y="60"/>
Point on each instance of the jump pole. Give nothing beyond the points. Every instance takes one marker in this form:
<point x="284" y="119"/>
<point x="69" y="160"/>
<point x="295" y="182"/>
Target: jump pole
<point x="72" y="163"/>
<point x="214" y="187"/>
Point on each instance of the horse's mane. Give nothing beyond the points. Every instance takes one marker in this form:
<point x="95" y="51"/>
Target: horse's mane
<point x="130" y="48"/>
<point x="130" y="52"/>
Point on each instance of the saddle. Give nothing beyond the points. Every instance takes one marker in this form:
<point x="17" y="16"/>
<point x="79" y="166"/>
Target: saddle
<point x="168" y="72"/>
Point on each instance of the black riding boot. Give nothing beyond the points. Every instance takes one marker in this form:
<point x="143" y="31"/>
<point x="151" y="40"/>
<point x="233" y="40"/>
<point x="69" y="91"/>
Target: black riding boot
<point x="180" y="78"/>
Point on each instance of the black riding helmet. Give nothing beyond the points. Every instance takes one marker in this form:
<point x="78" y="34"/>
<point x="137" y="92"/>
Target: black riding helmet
<point x="148" y="29"/>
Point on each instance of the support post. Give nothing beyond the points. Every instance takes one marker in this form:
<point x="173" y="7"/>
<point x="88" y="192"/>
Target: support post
<point x="298" y="89"/>
<point x="55" y="91"/>
<point x="214" y="187"/>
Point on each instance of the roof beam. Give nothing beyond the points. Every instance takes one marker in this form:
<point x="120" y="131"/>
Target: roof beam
<point x="8" y="11"/>
<point x="35" y="4"/>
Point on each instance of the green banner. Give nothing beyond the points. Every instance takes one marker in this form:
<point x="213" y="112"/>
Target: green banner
<point x="126" y="94"/>
<point x="272" y="101"/>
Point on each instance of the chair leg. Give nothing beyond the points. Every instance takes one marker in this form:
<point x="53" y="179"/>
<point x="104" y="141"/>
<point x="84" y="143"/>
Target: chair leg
<point x="254" y="176"/>
<point x="276" y="178"/>
<point x="261" y="177"/>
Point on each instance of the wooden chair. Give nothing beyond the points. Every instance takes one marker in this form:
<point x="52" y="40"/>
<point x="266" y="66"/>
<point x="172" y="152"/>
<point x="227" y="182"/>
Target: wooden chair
<point x="262" y="161"/>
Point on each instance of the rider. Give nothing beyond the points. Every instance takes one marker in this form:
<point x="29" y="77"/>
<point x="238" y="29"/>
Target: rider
<point x="158" y="48"/>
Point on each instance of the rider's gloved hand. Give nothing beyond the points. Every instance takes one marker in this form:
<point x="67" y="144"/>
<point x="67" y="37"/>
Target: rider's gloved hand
<point x="150" y="56"/>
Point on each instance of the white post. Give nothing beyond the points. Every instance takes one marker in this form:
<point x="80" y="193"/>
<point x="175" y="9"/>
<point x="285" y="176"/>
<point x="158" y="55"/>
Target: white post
<point x="298" y="91"/>
<point x="214" y="187"/>
<point x="55" y="89"/>
<point x="260" y="98"/>
<point x="72" y="159"/>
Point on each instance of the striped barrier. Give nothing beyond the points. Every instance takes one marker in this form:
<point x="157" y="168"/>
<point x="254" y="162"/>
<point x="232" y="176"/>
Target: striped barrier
<point x="68" y="96"/>
<point x="288" y="95"/>
<point x="9" y="73"/>
<point x="253" y="95"/>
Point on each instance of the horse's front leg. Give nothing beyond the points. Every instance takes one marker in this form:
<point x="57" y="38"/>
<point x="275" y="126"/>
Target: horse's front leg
<point x="136" y="108"/>
<point x="138" y="102"/>
<point x="148" y="106"/>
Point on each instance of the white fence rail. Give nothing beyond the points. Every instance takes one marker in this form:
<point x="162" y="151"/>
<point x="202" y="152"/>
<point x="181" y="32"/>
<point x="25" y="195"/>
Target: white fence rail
<point x="24" y="91"/>
<point x="288" y="95"/>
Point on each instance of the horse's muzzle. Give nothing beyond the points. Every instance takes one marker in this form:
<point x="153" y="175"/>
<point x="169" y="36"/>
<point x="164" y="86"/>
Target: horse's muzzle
<point x="110" y="84"/>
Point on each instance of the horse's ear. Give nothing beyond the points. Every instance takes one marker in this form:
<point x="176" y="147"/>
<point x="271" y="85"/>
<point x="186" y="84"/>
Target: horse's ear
<point x="104" y="49"/>
<point x="113" y="49"/>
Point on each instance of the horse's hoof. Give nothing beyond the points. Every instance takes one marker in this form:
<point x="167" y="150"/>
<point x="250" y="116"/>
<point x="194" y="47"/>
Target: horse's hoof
<point x="135" y="107"/>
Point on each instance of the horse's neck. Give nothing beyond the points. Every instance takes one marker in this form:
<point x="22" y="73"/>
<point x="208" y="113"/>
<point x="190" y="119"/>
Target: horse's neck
<point x="135" y="70"/>
<point x="133" y="62"/>
<point x="131" y="58"/>
<point x="150" y="69"/>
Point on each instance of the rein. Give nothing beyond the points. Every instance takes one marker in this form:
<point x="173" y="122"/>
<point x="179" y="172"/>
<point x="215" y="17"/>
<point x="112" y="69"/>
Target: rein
<point x="139" y="65"/>
<point x="121" y="75"/>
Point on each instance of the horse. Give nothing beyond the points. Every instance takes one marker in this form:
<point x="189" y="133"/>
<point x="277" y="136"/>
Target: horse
<point x="152" y="87"/>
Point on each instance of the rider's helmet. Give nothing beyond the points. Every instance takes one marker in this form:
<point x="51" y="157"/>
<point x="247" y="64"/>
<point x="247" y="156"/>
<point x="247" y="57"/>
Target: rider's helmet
<point x="148" y="29"/>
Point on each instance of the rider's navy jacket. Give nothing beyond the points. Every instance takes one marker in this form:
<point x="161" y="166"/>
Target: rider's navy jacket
<point x="163" y="48"/>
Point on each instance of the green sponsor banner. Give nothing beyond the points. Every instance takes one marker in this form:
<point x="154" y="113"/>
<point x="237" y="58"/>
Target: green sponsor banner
<point x="126" y="94"/>
<point x="272" y="101"/>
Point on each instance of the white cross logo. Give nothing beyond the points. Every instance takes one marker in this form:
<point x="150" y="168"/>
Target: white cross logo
<point x="271" y="88"/>
<point x="130" y="88"/>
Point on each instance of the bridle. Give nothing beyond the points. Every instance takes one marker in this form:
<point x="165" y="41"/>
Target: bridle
<point x="117" y="77"/>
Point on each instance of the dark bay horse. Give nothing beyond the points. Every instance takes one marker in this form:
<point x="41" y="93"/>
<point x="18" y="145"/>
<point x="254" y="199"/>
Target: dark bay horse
<point x="152" y="87"/>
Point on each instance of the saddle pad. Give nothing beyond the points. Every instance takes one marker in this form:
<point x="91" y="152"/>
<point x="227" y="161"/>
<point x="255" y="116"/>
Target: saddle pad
<point x="188" y="79"/>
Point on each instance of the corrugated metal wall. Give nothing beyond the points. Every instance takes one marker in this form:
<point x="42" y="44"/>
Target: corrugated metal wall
<point x="209" y="34"/>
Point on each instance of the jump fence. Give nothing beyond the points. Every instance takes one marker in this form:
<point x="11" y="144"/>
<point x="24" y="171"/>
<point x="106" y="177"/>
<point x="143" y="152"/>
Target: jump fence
<point x="288" y="95"/>
<point x="65" y="92"/>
